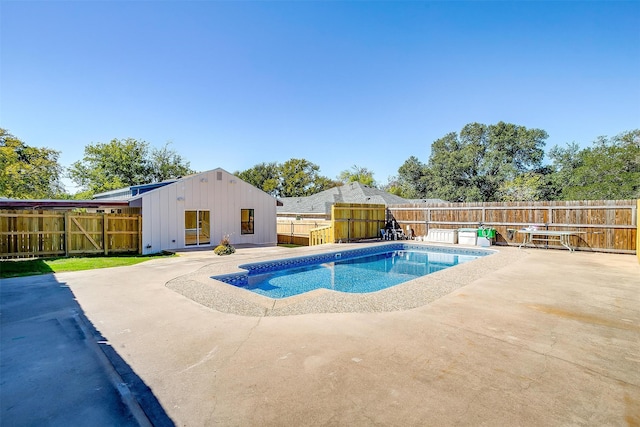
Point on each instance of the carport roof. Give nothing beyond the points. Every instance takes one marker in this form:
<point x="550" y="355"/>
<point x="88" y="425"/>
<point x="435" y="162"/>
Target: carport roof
<point x="59" y="204"/>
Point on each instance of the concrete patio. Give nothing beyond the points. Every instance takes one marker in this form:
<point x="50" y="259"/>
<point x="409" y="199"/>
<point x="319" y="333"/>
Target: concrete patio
<point x="543" y="337"/>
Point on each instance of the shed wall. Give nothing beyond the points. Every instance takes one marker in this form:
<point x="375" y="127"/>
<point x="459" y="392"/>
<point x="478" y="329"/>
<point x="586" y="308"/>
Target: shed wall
<point x="163" y="211"/>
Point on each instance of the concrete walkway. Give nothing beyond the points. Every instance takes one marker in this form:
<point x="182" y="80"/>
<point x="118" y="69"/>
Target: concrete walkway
<point x="51" y="370"/>
<point x="552" y="338"/>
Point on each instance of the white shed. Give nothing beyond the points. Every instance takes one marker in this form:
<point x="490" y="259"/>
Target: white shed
<point x="200" y="209"/>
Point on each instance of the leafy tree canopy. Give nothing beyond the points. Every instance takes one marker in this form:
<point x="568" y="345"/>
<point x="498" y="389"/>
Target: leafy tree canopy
<point x="265" y="176"/>
<point x="526" y="187"/>
<point x="300" y="177"/>
<point x="167" y="164"/>
<point x="293" y="178"/>
<point x="608" y="170"/>
<point x="474" y="164"/>
<point x="122" y="163"/>
<point x="358" y="174"/>
<point x="393" y="186"/>
<point x="28" y="172"/>
<point x="412" y="180"/>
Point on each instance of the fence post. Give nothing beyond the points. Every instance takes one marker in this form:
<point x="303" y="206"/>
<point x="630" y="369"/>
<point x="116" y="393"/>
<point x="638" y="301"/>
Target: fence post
<point x="105" y="235"/>
<point x="427" y="221"/>
<point x="140" y="234"/>
<point x="637" y="219"/>
<point x="67" y="232"/>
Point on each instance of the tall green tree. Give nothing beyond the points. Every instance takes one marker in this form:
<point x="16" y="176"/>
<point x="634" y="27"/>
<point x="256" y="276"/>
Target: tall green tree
<point x="28" y="172"/>
<point x="475" y="164"/>
<point x="301" y="177"/>
<point x="563" y="162"/>
<point x="454" y="165"/>
<point x="357" y="174"/>
<point x="167" y="164"/>
<point x="529" y="186"/>
<point x="125" y="162"/>
<point x="322" y="183"/>
<point x="393" y="186"/>
<point x="293" y="178"/>
<point x="511" y="151"/>
<point x="265" y="176"/>
<point x="112" y="165"/>
<point x="609" y="169"/>
<point x="412" y="180"/>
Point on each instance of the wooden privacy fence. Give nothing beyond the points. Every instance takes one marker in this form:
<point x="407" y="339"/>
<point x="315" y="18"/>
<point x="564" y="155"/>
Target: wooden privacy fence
<point x="350" y="222"/>
<point x="609" y="225"/>
<point x="321" y="235"/>
<point x="297" y="231"/>
<point x="357" y="221"/>
<point x="54" y="233"/>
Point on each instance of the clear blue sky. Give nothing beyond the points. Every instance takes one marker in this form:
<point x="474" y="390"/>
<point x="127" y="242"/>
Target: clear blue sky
<point x="234" y="84"/>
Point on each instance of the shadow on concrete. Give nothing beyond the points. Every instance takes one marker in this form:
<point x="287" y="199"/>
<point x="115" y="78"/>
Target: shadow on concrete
<point x="56" y="368"/>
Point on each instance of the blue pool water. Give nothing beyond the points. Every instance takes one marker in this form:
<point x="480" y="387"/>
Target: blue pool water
<point x="356" y="271"/>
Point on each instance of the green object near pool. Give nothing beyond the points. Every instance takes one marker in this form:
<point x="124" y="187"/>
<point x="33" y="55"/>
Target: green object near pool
<point x="489" y="233"/>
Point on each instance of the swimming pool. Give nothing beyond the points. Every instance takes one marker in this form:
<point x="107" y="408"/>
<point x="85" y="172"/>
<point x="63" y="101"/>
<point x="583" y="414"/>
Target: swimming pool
<point x="352" y="271"/>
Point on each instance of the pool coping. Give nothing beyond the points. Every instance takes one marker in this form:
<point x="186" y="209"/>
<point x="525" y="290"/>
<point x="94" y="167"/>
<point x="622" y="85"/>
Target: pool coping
<point x="201" y="288"/>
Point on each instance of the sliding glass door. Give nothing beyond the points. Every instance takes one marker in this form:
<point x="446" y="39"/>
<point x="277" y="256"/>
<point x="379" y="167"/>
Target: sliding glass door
<point x="197" y="228"/>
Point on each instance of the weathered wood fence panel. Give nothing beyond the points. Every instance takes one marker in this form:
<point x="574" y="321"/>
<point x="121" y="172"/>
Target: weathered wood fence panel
<point x="54" y="233"/>
<point x="609" y="225"/>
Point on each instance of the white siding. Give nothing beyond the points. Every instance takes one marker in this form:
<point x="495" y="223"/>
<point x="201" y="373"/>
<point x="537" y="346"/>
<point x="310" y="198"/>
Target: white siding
<point x="163" y="211"/>
<point x="164" y="219"/>
<point x="173" y="218"/>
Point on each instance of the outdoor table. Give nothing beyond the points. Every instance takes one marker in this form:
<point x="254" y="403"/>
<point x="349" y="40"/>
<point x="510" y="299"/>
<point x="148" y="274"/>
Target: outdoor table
<point x="563" y="237"/>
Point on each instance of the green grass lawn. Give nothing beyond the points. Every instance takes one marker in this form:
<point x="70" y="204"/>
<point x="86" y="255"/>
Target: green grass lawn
<point x="30" y="267"/>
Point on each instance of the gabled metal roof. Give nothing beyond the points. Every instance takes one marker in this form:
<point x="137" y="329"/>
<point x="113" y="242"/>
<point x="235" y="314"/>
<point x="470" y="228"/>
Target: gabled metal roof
<point x="128" y="193"/>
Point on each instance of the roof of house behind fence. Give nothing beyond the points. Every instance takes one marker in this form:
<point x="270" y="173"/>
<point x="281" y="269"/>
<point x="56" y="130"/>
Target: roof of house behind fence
<point x="355" y="192"/>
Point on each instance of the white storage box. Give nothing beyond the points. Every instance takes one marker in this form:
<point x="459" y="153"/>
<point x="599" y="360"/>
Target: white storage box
<point x="442" y="236"/>
<point x="467" y="236"/>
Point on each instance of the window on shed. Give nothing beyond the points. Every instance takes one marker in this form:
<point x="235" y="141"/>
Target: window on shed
<point x="246" y="221"/>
